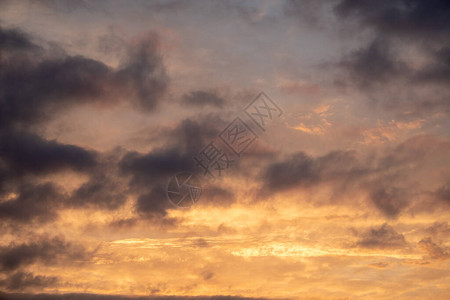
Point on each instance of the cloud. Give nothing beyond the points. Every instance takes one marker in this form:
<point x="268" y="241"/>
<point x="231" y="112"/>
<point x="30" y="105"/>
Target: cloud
<point x="33" y="202"/>
<point x="105" y="188"/>
<point x="179" y="145"/>
<point x="154" y="166"/>
<point x="217" y="196"/>
<point x="385" y="178"/>
<point x="115" y="297"/>
<point x="13" y="39"/>
<point x="144" y="72"/>
<point x="439" y="230"/>
<point x="27" y="153"/>
<point x="443" y="193"/>
<point x="154" y="203"/>
<point x="307" y="11"/>
<point x="296" y="170"/>
<point x="20" y="281"/>
<point x="23" y="158"/>
<point x="383" y="237"/>
<point x="302" y="170"/>
<point x="35" y="86"/>
<point x="374" y="63"/>
<point x="433" y="250"/>
<point x="391" y="201"/>
<point x="100" y="191"/>
<point x="407" y="47"/>
<point x="415" y="19"/>
<point x="150" y="172"/>
<point x="438" y="70"/>
<point x="45" y="250"/>
<point x="26" y="199"/>
<point x="202" y="99"/>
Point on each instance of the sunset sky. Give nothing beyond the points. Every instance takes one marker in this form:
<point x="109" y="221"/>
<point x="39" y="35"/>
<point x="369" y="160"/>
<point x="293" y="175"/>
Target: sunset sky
<point x="343" y="193"/>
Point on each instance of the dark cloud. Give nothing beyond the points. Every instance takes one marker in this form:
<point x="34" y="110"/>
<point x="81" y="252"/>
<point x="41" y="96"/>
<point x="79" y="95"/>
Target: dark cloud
<point x="438" y="71"/>
<point x="154" y="203"/>
<point x="203" y="98"/>
<point x="180" y="145"/>
<point x="150" y="172"/>
<point x="411" y="18"/>
<point x="207" y="275"/>
<point x="382" y="237"/>
<point x="301" y="170"/>
<point x="191" y="135"/>
<point x="100" y="191"/>
<point x="155" y="166"/>
<point x="13" y="39"/>
<point x="373" y="64"/>
<point x="433" y="250"/>
<point x="394" y="27"/>
<point x="35" y="87"/>
<point x="381" y="177"/>
<point x="28" y="154"/>
<point x="46" y="251"/>
<point x="25" y="153"/>
<point x="144" y="73"/>
<point x="391" y="201"/>
<point x="297" y="170"/>
<point x="20" y="281"/>
<point x="202" y="243"/>
<point x="32" y="203"/>
<point x="443" y="193"/>
<point x="11" y="296"/>
<point x="35" y="90"/>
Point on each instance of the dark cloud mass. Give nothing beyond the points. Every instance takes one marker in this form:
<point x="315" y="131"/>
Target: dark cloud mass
<point x="152" y="167"/>
<point x="34" y="87"/>
<point x="26" y="153"/>
<point x="144" y="73"/>
<point x="33" y="202"/>
<point x="21" y="281"/>
<point x="434" y="250"/>
<point x="373" y="64"/>
<point x="150" y="172"/>
<point x="11" y="39"/>
<point x="379" y="176"/>
<point x="382" y="237"/>
<point x="394" y="26"/>
<point x="438" y="71"/>
<point x="45" y="250"/>
<point x="101" y="192"/>
<point x="114" y="297"/>
<point x="202" y="98"/>
<point x="414" y="18"/>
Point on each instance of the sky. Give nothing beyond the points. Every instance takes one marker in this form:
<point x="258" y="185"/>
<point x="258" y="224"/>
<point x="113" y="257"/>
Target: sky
<point x="224" y="149"/>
